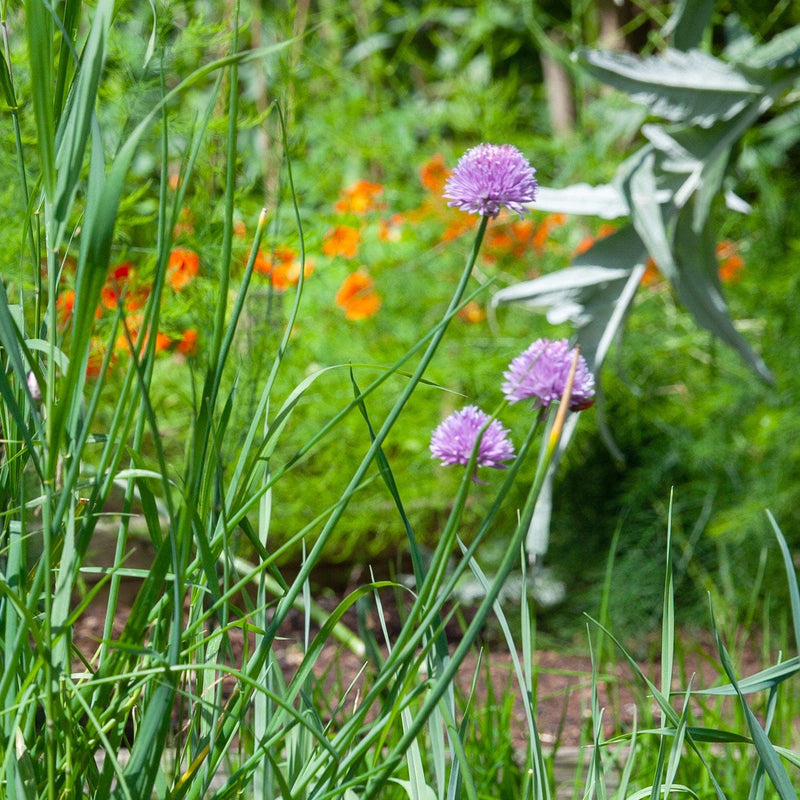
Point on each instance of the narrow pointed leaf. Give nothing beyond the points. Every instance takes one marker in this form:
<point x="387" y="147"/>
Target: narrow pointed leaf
<point x="699" y="290"/>
<point x="688" y="23"/>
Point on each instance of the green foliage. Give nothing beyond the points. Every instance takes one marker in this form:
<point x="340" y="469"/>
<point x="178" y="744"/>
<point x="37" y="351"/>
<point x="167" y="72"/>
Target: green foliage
<point x="183" y="368"/>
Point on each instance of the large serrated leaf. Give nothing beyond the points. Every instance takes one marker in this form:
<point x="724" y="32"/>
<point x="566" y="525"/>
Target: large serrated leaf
<point x="692" y="87"/>
<point x="782" y="52"/>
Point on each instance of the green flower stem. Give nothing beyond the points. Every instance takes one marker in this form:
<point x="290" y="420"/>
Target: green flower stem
<point x="511" y="556"/>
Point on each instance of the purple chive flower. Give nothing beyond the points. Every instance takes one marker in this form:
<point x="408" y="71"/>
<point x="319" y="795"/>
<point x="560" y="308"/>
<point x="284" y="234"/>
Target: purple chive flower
<point x="454" y="440"/>
<point x="490" y="176"/>
<point x="540" y="373"/>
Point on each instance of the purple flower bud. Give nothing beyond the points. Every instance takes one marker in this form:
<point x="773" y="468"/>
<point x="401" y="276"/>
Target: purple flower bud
<point x="540" y="373"/>
<point x="491" y="176"/>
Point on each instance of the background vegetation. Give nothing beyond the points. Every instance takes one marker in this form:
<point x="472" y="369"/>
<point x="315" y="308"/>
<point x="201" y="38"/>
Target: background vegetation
<point x="374" y="91"/>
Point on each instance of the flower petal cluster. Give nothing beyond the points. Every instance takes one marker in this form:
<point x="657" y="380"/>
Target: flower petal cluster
<point x="343" y="240"/>
<point x="454" y="440"/>
<point x="357" y="296"/>
<point x="491" y="176"/>
<point x="540" y="373"/>
<point x="182" y="268"/>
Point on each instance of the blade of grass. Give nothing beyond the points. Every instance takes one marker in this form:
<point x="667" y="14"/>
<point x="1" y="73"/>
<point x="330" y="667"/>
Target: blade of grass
<point x="766" y="751"/>
<point x="791" y="578"/>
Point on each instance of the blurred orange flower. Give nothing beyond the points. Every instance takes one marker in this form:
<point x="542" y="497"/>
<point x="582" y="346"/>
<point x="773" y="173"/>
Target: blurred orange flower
<point x="434" y="174"/>
<point x="357" y="296"/>
<point x="116" y="284"/>
<point x="187" y="344"/>
<point x="522" y="232"/>
<point x="185" y="223"/>
<point x="182" y="268"/>
<point x="239" y="229"/>
<point x="472" y="312"/>
<point x="262" y="265"/>
<point x="97" y="352"/>
<point x="162" y="342"/>
<point x="730" y="263"/>
<point x="359" y="198"/>
<point x="134" y="323"/>
<point x="459" y="226"/>
<point x="545" y="227"/>
<point x="508" y="238"/>
<point x="135" y="299"/>
<point x="64" y="305"/>
<point x="499" y="239"/>
<point x="606" y="229"/>
<point x="283" y="268"/>
<point x="287" y="273"/>
<point x="651" y="274"/>
<point x="343" y="240"/>
<point x="391" y="230"/>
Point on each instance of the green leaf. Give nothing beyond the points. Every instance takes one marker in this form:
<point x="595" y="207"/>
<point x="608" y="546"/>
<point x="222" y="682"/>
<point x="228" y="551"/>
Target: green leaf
<point x="40" y="54"/>
<point x="73" y="132"/>
<point x="764" y="747"/>
<point x="765" y="679"/>
<point x="604" y="201"/>
<point x="699" y="290"/>
<point x="148" y="747"/>
<point x="688" y="22"/>
<point x="650" y="790"/>
<point x="781" y="53"/>
<point x="791" y="578"/>
<point x="693" y="87"/>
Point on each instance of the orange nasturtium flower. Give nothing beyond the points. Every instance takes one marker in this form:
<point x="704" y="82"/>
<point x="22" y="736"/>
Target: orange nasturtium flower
<point x="606" y="229"/>
<point x="460" y="225"/>
<point x="357" y="296"/>
<point x="543" y="231"/>
<point x="472" y="312"/>
<point x="162" y="342"/>
<point x="64" y="305"/>
<point x="134" y="323"/>
<point x="731" y="263"/>
<point x="651" y="273"/>
<point x="262" y="265"/>
<point x="343" y="240"/>
<point x="182" y="268"/>
<point x="283" y="268"/>
<point x="187" y="344"/>
<point x="116" y="284"/>
<point x="359" y="198"/>
<point x="97" y="352"/>
<point x="434" y="174"/>
<point x="287" y="273"/>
